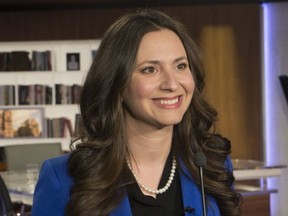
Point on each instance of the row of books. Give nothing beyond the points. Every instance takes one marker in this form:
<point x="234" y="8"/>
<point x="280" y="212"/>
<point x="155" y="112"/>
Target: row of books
<point x="34" y="94"/>
<point x="20" y="61"/>
<point x="67" y="94"/>
<point x="41" y="61"/>
<point x="62" y="127"/>
<point x="7" y="95"/>
<point x="59" y="127"/>
<point x="42" y="94"/>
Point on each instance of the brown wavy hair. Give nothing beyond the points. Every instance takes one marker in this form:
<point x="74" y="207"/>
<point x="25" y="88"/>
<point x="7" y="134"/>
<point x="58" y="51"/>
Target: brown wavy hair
<point x="97" y="164"/>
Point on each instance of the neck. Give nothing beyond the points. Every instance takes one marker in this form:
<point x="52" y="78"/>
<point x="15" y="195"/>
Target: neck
<point x="151" y="146"/>
<point x="148" y="151"/>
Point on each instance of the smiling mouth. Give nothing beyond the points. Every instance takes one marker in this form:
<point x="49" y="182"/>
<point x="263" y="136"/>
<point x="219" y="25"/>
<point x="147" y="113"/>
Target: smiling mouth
<point x="168" y="102"/>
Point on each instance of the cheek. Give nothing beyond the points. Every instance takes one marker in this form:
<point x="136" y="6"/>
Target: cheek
<point x="189" y="84"/>
<point x="139" y="89"/>
<point x="135" y="95"/>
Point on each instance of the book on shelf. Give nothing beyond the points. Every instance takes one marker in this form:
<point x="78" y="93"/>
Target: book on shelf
<point x="41" y="60"/>
<point x="93" y="53"/>
<point x="48" y="94"/>
<point x="23" y="95"/>
<point x="78" y="124"/>
<point x="7" y="95"/>
<point x="4" y="57"/>
<point x="20" y="61"/>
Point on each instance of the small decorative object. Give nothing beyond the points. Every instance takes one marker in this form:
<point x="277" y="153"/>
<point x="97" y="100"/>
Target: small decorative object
<point x="73" y="61"/>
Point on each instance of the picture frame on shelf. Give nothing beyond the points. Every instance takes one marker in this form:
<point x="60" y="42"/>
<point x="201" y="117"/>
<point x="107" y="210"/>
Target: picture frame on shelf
<point x="21" y="123"/>
<point x="73" y="61"/>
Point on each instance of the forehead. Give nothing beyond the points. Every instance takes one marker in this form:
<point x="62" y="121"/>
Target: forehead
<point x="163" y="42"/>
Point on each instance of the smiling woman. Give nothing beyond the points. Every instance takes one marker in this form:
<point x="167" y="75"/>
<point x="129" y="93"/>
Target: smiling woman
<point x="144" y="120"/>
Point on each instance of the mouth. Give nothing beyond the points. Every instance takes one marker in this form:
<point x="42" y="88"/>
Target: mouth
<point x="168" y="101"/>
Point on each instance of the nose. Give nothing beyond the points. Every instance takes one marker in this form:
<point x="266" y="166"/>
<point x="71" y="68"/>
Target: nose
<point x="169" y="81"/>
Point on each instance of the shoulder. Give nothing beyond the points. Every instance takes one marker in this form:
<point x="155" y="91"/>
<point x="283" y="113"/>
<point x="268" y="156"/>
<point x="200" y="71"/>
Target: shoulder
<point x="53" y="187"/>
<point x="59" y="162"/>
<point x="57" y="166"/>
<point x="57" y="169"/>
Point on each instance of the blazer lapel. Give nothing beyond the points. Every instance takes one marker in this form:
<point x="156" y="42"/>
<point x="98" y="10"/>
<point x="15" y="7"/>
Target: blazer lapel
<point x="191" y="193"/>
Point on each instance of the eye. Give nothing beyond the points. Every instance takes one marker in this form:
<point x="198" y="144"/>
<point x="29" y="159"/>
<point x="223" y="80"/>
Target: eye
<point x="182" y="66"/>
<point x="149" y="70"/>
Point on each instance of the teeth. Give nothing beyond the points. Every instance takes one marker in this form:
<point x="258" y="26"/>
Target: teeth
<point x="170" y="102"/>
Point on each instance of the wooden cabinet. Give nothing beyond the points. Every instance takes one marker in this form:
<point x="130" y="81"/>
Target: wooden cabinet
<point x="256" y="204"/>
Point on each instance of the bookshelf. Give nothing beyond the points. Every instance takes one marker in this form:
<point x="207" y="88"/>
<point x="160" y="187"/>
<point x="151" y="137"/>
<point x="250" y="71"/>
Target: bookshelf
<point x="59" y="72"/>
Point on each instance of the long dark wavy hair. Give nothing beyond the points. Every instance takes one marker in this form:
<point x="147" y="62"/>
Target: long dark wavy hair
<point x="97" y="164"/>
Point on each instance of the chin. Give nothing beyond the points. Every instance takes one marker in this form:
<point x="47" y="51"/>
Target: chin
<point x="171" y="122"/>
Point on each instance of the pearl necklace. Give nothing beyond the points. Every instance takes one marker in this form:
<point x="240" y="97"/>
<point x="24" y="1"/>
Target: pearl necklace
<point x="161" y="190"/>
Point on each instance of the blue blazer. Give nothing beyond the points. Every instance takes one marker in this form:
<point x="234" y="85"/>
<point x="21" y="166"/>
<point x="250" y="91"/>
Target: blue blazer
<point x="53" y="191"/>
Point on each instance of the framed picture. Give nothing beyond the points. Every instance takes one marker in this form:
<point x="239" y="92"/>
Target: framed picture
<point x="21" y="123"/>
<point x="73" y="61"/>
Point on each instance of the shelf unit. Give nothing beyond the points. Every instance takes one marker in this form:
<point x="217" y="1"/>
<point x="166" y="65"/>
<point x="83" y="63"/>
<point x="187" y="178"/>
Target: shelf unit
<point x="58" y="75"/>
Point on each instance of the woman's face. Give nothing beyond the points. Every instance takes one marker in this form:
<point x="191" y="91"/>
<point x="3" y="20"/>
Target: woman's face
<point x="161" y="86"/>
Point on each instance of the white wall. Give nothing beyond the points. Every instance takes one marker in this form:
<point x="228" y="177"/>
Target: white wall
<point x="275" y="63"/>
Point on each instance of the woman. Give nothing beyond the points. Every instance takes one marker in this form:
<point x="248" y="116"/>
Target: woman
<point x="144" y="120"/>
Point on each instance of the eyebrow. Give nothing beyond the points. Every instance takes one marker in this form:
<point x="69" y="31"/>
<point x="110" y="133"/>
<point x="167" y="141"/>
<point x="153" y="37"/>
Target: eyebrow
<point x="158" y="62"/>
<point x="181" y="58"/>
